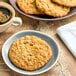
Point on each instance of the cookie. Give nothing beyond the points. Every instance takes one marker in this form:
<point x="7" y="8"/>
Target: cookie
<point x="28" y="6"/>
<point x="52" y="9"/>
<point x="68" y="3"/>
<point x="29" y="53"/>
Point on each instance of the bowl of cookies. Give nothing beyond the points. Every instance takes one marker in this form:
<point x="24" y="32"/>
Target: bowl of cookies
<point x="30" y="52"/>
<point x="45" y="9"/>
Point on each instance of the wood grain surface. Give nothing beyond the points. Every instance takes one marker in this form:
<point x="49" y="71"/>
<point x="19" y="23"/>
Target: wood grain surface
<point x="66" y="65"/>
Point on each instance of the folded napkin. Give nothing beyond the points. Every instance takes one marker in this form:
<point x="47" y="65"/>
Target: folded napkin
<point x="68" y="34"/>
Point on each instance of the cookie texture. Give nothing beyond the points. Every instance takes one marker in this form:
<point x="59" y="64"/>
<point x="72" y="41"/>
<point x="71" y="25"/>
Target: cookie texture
<point x="68" y="3"/>
<point x="51" y="8"/>
<point x="30" y="53"/>
<point x="28" y="6"/>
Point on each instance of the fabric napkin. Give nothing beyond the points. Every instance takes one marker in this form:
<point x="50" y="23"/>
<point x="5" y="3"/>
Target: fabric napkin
<point x="68" y="34"/>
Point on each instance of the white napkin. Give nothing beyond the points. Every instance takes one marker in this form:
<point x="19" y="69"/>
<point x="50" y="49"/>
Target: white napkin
<point x="68" y="34"/>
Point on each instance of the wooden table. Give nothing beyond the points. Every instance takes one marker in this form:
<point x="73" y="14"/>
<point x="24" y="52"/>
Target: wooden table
<point x="66" y="65"/>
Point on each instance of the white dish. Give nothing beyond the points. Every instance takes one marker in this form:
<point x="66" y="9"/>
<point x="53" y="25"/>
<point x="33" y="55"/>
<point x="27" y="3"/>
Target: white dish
<point x="48" y="39"/>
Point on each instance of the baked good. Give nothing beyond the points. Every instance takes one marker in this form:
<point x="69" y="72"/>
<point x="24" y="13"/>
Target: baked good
<point x="52" y="9"/>
<point x="68" y="3"/>
<point x="30" y="53"/>
<point x="28" y="6"/>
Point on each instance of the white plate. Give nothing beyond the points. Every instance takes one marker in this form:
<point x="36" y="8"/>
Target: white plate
<point x="48" y="39"/>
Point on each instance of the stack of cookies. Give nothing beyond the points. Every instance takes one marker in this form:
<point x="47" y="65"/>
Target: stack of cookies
<point x="56" y="8"/>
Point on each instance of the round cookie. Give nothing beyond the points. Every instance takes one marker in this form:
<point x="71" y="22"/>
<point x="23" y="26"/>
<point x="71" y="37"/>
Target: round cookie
<point x="51" y="8"/>
<point x="30" y="53"/>
<point x="68" y="3"/>
<point x="28" y="6"/>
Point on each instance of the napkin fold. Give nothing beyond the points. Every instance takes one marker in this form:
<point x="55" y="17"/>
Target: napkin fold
<point x="68" y="34"/>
